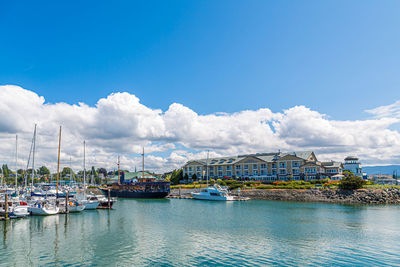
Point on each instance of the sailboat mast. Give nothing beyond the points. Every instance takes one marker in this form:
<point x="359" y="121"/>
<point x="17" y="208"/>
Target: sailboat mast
<point x="70" y="171"/>
<point x="33" y="157"/>
<point x="143" y="164"/>
<point x="207" y="166"/>
<point x="58" y="161"/>
<point x="84" y="169"/>
<point x="16" y="161"/>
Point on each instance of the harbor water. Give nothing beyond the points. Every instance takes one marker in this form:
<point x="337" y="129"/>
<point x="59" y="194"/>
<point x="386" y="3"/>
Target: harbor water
<point x="174" y="232"/>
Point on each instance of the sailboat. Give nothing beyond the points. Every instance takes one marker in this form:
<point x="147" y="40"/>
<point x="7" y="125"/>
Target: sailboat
<point x="214" y="192"/>
<point x="89" y="203"/>
<point x="44" y="206"/>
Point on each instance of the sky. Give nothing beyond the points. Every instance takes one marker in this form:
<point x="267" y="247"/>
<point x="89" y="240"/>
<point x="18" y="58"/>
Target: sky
<point x="183" y="77"/>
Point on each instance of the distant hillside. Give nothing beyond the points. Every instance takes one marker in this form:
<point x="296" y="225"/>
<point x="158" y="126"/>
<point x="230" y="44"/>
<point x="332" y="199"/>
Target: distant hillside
<point x="382" y="169"/>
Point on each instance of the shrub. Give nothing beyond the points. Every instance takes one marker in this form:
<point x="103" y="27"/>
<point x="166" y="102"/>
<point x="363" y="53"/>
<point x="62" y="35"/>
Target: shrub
<point x="351" y="183"/>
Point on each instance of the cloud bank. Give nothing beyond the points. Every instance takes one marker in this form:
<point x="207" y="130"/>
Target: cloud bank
<point x="120" y="125"/>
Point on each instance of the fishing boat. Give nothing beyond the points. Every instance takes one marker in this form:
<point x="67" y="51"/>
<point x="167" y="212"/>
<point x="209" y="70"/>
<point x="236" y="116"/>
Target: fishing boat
<point x="142" y="187"/>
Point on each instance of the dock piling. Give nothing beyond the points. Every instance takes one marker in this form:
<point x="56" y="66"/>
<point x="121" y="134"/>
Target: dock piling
<point x="66" y="202"/>
<point x="109" y="198"/>
<point x="6" y="206"/>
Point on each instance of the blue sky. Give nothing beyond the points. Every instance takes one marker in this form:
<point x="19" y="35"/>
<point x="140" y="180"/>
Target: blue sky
<point x="247" y="76"/>
<point x="337" y="57"/>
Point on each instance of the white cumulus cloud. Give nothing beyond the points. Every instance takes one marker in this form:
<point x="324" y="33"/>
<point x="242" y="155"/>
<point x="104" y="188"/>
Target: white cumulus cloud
<point x="120" y="125"/>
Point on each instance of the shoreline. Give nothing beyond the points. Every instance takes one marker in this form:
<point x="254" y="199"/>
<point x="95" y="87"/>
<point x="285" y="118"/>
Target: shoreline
<point x="359" y="196"/>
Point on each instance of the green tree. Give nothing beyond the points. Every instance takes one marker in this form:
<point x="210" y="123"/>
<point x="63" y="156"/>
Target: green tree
<point x="186" y="177"/>
<point x="351" y="183"/>
<point x="194" y="177"/>
<point x="43" y="171"/>
<point x="103" y="171"/>
<point x="6" y="170"/>
<point x="176" y="176"/>
<point x="66" y="171"/>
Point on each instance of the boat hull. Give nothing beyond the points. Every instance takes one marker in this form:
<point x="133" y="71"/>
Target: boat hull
<point x="199" y="196"/>
<point x="91" y="205"/>
<point x="43" y="211"/>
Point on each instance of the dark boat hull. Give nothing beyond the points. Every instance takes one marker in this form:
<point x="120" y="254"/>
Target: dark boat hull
<point x="134" y="194"/>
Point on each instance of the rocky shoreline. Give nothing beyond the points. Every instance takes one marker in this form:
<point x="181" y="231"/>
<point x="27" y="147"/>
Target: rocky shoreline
<point x="360" y="196"/>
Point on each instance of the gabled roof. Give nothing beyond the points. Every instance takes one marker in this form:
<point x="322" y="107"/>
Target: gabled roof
<point x="332" y="164"/>
<point x="267" y="157"/>
<point x="310" y="163"/>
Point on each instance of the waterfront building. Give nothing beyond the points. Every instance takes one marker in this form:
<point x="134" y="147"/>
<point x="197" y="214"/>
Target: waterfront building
<point x="279" y="166"/>
<point x="353" y="165"/>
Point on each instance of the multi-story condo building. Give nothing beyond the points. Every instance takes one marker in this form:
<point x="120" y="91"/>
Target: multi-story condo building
<point x="264" y="167"/>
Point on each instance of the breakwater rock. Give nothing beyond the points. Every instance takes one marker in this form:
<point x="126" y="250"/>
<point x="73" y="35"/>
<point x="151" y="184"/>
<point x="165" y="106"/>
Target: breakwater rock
<point x="360" y="196"/>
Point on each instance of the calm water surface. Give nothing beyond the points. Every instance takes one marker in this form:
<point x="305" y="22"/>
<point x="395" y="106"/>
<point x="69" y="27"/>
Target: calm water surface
<point x="192" y="233"/>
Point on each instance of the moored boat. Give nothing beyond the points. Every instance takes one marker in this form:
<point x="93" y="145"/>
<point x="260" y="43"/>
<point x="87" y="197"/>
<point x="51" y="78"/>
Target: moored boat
<point x="215" y="192"/>
<point x="43" y="208"/>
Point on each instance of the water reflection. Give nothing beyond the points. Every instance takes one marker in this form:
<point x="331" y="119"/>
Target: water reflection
<point x="186" y="233"/>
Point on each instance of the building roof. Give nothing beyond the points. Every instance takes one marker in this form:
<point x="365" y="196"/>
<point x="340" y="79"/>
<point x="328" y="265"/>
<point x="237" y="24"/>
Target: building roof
<point x="332" y="164"/>
<point x="351" y="158"/>
<point x="267" y="157"/>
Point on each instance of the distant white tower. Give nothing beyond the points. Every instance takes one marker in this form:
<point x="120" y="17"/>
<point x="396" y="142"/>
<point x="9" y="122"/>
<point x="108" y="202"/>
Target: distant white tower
<point x="352" y="164"/>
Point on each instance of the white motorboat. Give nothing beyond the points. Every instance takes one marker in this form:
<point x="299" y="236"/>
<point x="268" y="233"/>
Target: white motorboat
<point x="39" y="208"/>
<point x="215" y="192"/>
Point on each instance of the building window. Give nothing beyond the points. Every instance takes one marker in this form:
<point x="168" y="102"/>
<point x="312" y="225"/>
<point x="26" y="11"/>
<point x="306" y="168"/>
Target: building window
<point x="255" y="173"/>
<point x="295" y="164"/>
<point x="238" y="167"/>
<point x="282" y="165"/>
<point x="263" y="172"/>
<point x="228" y="173"/>
<point x="219" y="173"/>
<point x="229" y="167"/>
<point x="246" y="173"/>
<point x="246" y="167"/>
<point x="198" y="169"/>
<point x="185" y="169"/>
<point x="273" y="172"/>
<point x="190" y="169"/>
<point x="282" y="172"/>
<point x="310" y="170"/>
<point x="263" y="166"/>
<point x="273" y="165"/>
<point x="238" y="173"/>
<point x="255" y="166"/>
<point x="295" y="171"/>
<point x="331" y="171"/>
<point x="211" y="173"/>
<point x="220" y="168"/>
